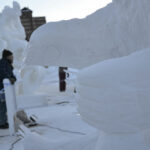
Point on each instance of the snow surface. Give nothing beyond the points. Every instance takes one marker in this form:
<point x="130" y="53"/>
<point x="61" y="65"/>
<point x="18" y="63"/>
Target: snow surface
<point x="61" y="128"/>
<point x="58" y="135"/>
<point x="114" y="31"/>
<point x="117" y="93"/>
<point x="34" y="76"/>
<point x="12" y="34"/>
<point x="117" y="90"/>
<point x="12" y="37"/>
<point x="113" y="94"/>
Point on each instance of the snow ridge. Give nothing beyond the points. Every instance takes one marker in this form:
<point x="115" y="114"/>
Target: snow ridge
<point x="117" y="30"/>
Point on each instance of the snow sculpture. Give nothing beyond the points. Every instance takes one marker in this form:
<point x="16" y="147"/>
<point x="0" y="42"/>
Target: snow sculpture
<point x="113" y="95"/>
<point x="114" y="31"/>
<point x="116" y="92"/>
<point x="12" y="34"/>
<point x="32" y="78"/>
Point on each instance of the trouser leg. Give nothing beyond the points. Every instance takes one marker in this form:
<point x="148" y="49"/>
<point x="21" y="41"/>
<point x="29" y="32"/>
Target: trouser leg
<point x="3" y="113"/>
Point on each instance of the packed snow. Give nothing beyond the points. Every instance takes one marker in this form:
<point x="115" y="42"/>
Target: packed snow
<point x="38" y="94"/>
<point x="63" y="129"/>
<point x="121" y="86"/>
<point x="114" y="31"/>
<point x="12" y="37"/>
<point x="112" y="85"/>
<point x="12" y="34"/>
<point x="116" y="92"/>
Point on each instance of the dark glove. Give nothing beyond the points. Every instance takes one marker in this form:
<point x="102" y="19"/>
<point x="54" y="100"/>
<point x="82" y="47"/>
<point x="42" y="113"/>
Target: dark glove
<point x="12" y="80"/>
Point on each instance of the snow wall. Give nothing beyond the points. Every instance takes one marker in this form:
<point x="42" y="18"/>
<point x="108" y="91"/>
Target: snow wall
<point x="115" y="91"/>
<point x="12" y="34"/>
<point x="114" y="31"/>
<point x="117" y="30"/>
<point x="12" y="37"/>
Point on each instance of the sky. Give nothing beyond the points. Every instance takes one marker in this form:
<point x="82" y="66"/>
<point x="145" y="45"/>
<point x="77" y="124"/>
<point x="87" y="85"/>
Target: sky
<point x="56" y="10"/>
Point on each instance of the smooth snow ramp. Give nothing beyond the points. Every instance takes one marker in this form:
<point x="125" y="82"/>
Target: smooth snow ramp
<point x="117" y="30"/>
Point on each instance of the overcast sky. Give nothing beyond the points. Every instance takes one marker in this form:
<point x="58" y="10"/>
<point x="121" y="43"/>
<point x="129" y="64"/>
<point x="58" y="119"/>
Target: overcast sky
<point x="55" y="10"/>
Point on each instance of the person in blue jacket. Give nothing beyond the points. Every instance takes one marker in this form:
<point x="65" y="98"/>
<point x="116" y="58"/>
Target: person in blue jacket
<point x="6" y="72"/>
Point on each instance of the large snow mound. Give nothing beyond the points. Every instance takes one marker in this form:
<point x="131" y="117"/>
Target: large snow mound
<point x="117" y="30"/>
<point x="117" y="94"/>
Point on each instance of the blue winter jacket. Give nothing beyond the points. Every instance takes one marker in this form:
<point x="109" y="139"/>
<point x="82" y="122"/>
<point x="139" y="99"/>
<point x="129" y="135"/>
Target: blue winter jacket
<point x="6" y="71"/>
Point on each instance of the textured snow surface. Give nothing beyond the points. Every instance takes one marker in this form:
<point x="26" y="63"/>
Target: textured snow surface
<point x="61" y="129"/>
<point x="116" y="92"/>
<point x="113" y="94"/>
<point x="12" y="34"/>
<point x="12" y="37"/>
<point x="117" y="30"/>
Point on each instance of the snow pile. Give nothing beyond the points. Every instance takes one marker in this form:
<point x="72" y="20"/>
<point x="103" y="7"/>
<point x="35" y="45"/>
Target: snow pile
<point x="12" y="37"/>
<point x="41" y="143"/>
<point x="114" y="31"/>
<point x="12" y="34"/>
<point x="131" y="141"/>
<point x="39" y="80"/>
<point x="116" y="92"/>
<point x="32" y="78"/>
<point x="55" y="133"/>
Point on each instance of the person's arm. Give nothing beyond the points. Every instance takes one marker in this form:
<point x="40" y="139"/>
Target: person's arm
<point x="7" y="73"/>
<point x="12" y="78"/>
